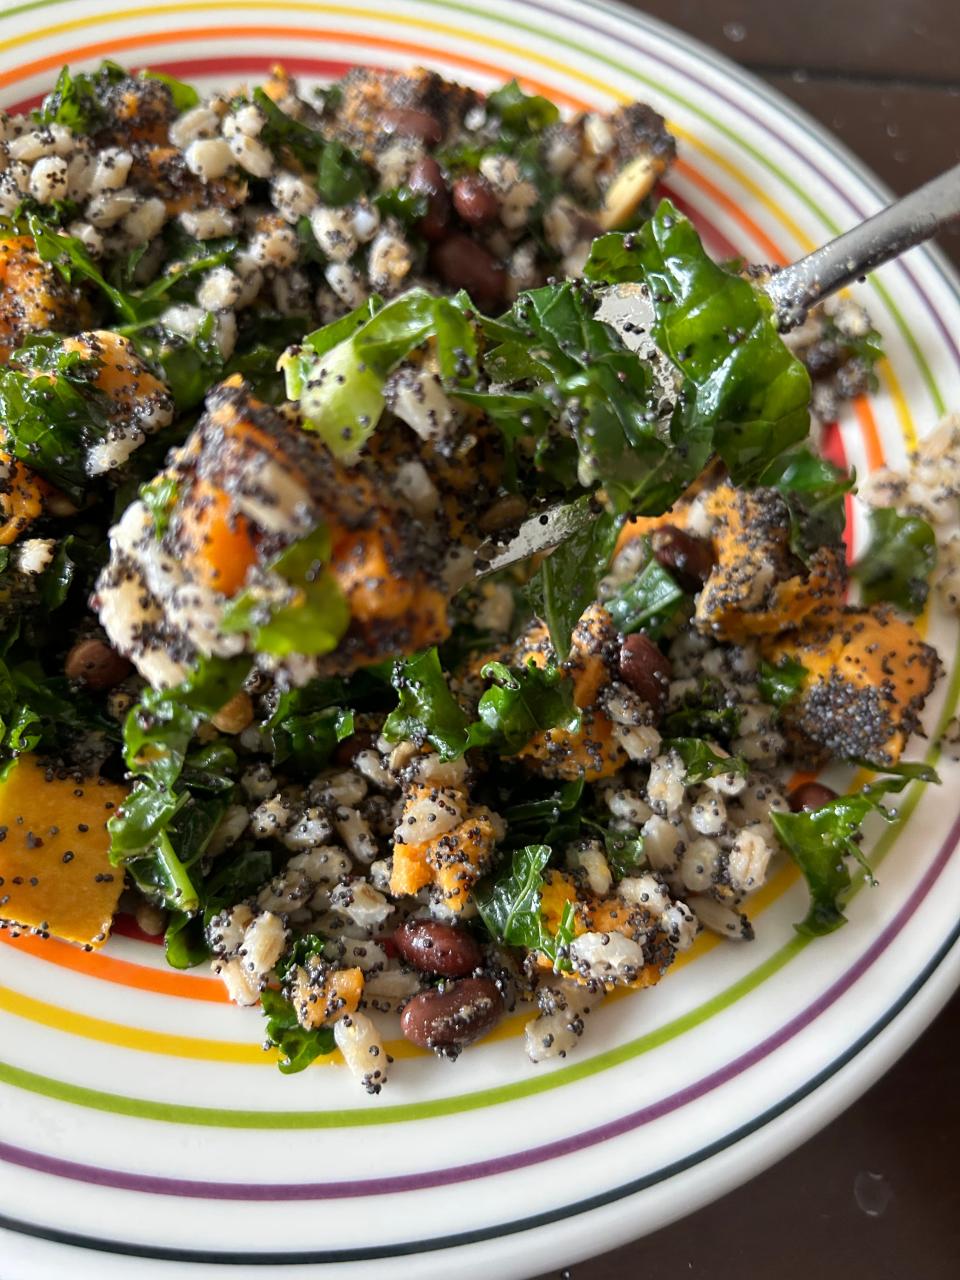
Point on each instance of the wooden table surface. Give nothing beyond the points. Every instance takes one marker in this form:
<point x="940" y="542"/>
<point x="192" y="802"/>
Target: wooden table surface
<point x="875" y="1195"/>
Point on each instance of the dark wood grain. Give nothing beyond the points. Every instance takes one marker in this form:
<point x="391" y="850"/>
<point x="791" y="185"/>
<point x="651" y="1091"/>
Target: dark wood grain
<point x="901" y="40"/>
<point x="875" y="1195"/>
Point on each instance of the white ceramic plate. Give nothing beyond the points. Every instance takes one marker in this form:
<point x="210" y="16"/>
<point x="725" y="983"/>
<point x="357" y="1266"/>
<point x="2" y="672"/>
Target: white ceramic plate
<point x="143" y="1132"/>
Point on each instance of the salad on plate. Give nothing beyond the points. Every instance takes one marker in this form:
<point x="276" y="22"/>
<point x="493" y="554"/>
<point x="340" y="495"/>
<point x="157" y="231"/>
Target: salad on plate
<point x="284" y="374"/>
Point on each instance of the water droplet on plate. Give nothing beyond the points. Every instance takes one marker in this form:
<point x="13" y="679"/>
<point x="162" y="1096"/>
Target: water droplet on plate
<point x="872" y="1193"/>
<point x="735" y="31"/>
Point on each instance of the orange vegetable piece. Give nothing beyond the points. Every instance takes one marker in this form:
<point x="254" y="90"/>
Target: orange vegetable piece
<point x="54" y="866"/>
<point x="320" y="1005"/>
<point x="32" y="296"/>
<point x="361" y="565"/>
<point x="868" y="676"/>
<point x="220" y="541"/>
<point x="597" y="915"/>
<point x="591" y="752"/>
<point x="752" y="590"/>
<point x="21" y="498"/>
<point x="453" y="861"/>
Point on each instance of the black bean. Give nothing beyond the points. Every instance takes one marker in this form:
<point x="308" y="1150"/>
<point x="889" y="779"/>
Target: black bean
<point x="645" y="669"/>
<point x="426" y="179"/>
<point x="474" y="200"/>
<point x="463" y="264"/>
<point x="688" y="558"/>
<point x="454" y="1017"/>
<point x="810" y="795"/>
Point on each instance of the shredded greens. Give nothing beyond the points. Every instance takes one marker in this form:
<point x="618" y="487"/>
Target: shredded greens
<point x="510" y="907"/>
<point x="520" y="703"/>
<point x="168" y="818"/>
<point x="898" y="561"/>
<point x="821" y="840"/>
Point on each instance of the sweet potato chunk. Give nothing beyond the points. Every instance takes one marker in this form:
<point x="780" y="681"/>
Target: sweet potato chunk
<point x="32" y="296"/>
<point x="868" y="676"/>
<point x="55" y="875"/>
<point x="591" y="751"/>
<point x="22" y="495"/>
<point x="756" y="588"/>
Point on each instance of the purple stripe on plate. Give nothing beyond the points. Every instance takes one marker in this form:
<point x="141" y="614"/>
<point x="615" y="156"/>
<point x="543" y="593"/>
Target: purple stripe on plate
<point x="194" y="1189"/>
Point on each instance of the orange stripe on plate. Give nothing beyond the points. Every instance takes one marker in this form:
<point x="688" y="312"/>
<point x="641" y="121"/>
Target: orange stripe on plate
<point x="871" y="436"/>
<point x="721" y="199"/>
<point x="95" y="964"/>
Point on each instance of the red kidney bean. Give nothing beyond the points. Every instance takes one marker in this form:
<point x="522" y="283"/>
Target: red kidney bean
<point x="463" y="264"/>
<point x="454" y="1017"/>
<point x="810" y="795"/>
<point x="426" y="179"/>
<point x="645" y="669"/>
<point x="688" y="558"/>
<point x="474" y="200"/>
<point x="438" y="948"/>
<point x="412" y="124"/>
<point x="93" y="663"/>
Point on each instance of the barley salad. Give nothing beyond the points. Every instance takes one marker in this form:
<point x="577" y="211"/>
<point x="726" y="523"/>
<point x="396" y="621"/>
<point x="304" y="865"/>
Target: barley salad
<point x="280" y="368"/>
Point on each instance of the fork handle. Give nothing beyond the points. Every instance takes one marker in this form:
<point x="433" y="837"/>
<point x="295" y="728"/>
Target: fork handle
<point x="851" y="256"/>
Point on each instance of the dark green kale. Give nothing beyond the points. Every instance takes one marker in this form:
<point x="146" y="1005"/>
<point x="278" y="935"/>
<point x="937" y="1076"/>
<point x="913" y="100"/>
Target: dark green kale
<point x="520" y="703"/>
<point x="317" y="617"/>
<point x="743" y="394"/>
<point x="821" y="840"/>
<point x="702" y="761"/>
<point x="427" y="711"/>
<point x="167" y="820"/>
<point x="649" y="602"/>
<point x="898" y="561"/>
<point x="297" y="1046"/>
<point x="780" y="683"/>
<point x="510" y="906"/>
<point x="569" y="576"/>
<point x="815" y="492"/>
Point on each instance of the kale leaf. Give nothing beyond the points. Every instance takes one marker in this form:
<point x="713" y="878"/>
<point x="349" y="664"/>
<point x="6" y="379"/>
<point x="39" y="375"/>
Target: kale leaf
<point x="815" y="492"/>
<point x="649" y="601"/>
<point x="820" y="840"/>
<point x="624" y="850"/>
<point x="702" y="761"/>
<point x="510" y="905"/>
<point x="521" y="703"/>
<point x="570" y="574"/>
<point x="780" y="684"/>
<point x="743" y="393"/>
<point x="297" y="1046"/>
<point x="312" y="613"/>
<point x="52" y="413"/>
<point x="162" y="828"/>
<point x="427" y="710"/>
<point x="76" y="98"/>
<point x="898" y="561"/>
